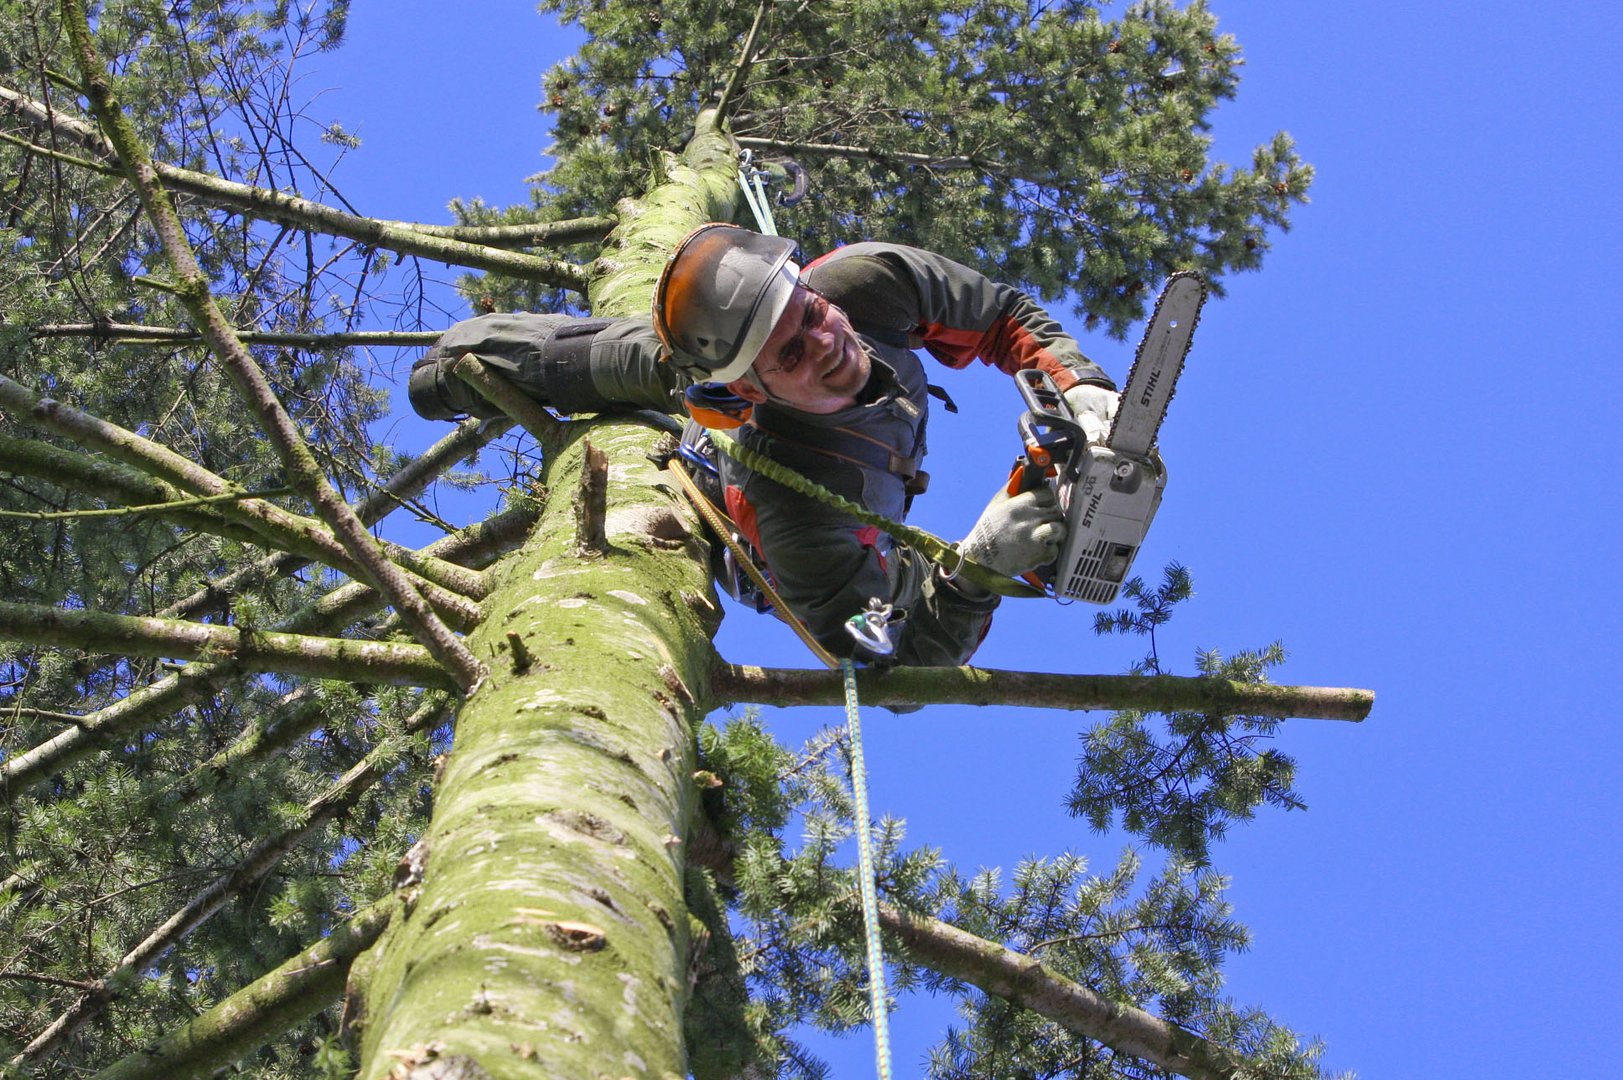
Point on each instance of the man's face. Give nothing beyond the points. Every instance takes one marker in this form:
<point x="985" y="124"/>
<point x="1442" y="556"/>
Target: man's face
<point x="813" y="360"/>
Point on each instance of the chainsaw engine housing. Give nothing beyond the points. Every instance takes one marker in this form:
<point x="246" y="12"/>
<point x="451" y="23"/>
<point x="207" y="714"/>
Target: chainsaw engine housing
<point x="1108" y="509"/>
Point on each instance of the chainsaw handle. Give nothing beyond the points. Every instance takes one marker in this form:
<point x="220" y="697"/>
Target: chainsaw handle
<point x="1044" y="399"/>
<point x="1024" y="476"/>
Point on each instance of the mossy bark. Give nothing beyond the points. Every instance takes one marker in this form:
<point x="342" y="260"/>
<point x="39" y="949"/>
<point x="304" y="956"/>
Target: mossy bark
<point x="549" y="936"/>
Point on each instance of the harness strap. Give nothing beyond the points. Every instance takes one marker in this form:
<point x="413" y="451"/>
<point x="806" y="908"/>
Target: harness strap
<point x="844" y="444"/>
<point x="929" y="545"/>
<point x="719" y="525"/>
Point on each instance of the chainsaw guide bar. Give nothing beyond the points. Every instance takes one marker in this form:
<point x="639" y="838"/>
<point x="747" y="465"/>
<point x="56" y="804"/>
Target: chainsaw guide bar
<point x="1111" y="491"/>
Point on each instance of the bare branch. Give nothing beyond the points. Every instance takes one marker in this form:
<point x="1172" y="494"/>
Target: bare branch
<point x="461" y="547"/>
<point x="303" y="470"/>
<point x="746" y="58"/>
<point x="1040" y="690"/>
<point x="542" y="425"/>
<point x="266" y="1007"/>
<point x="110" y="331"/>
<point x="535" y="233"/>
<point x="303" y="213"/>
<point x="929" y="161"/>
<point x="252" y="650"/>
<point x="274" y="526"/>
<point x="141" y="508"/>
<point x="198" y="681"/>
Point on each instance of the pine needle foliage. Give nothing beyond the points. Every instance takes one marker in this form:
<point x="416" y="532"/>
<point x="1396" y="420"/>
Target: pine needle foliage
<point x="1055" y="147"/>
<point x="1181" y="780"/>
<point x="1156" y="941"/>
<point x="207" y="823"/>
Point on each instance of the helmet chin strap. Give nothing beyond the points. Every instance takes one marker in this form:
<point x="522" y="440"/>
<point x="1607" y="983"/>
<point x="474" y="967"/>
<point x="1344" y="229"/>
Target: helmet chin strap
<point x="755" y="381"/>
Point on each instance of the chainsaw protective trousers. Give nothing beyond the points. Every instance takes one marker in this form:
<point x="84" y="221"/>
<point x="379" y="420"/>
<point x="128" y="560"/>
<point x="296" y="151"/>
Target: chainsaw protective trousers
<point x="570" y="364"/>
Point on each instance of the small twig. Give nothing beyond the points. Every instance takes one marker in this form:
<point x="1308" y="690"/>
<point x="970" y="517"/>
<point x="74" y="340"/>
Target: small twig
<point x="58" y="155"/>
<point x="22" y="713"/>
<point x="156" y="284"/>
<point x="48" y="980"/>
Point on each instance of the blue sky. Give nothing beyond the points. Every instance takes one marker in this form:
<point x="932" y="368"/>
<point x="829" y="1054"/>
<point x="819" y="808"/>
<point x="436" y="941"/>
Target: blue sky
<point x="1394" y="449"/>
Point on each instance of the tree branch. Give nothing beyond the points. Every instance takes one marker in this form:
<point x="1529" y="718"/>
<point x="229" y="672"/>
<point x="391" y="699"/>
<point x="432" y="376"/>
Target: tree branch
<point x="266" y="1007"/>
<point x="196" y="682"/>
<point x="394" y="663"/>
<point x="273" y="525"/>
<point x="535" y="233"/>
<point x="302" y="213"/>
<point x="265" y="855"/>
<point x="545" y="428"/>
<point x="465" y="547"/>
<point x="115" y="483"/>
<point x="110" y="331"/>
<point x="746" y="58"/>
<point x="139" y="508"/>
<point x="1020" y="980"/>
<point x="1025" y="982"/>
<point x="899" y="157"/>
<point x="304" y="472"/>
<point x="1040" y="690"/>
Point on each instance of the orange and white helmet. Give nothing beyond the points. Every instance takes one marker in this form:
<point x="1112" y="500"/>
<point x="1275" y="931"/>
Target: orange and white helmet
<point x="719" y="297"/>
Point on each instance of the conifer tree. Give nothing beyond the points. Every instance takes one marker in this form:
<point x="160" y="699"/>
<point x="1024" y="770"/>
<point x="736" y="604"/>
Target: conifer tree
<point x="242" y="826"/>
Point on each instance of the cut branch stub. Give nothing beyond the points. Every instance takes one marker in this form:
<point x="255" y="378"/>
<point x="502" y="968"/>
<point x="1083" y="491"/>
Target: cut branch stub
<point x="591" y="503"/>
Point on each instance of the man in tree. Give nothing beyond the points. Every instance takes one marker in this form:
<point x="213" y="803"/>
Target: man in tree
<point x="815" y="369"/>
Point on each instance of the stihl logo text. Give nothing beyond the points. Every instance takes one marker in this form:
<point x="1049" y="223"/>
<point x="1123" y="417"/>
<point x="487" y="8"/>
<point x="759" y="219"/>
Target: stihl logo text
<point x="1093" y="501"/>
<point x="1149" y="387"/>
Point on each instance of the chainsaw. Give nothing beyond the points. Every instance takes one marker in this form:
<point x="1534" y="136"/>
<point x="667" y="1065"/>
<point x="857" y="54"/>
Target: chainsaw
<point x="1108" y="491"/>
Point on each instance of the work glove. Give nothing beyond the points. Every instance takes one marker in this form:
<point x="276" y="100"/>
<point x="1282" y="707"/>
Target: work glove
<point x="1015" y="533"/>
<point x="1095" y="409"/>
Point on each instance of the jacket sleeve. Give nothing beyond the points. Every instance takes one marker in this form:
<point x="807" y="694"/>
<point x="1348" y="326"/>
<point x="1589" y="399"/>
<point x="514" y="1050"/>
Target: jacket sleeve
<point x="956" y="313"/>
<point x="827" y="566"/>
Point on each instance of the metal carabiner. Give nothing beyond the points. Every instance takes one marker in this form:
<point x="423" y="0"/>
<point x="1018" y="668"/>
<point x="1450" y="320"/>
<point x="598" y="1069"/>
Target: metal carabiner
<point x="871" y="628"/>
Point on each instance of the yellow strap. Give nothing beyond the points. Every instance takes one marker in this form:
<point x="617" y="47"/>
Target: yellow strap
<point x="722" y="527"/>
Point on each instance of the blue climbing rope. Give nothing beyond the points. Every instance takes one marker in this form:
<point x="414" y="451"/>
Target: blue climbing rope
<point x="867" y="873"/>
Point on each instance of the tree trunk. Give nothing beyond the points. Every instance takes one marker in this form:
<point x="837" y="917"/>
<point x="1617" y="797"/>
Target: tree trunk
<point x="549" y="935"/>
